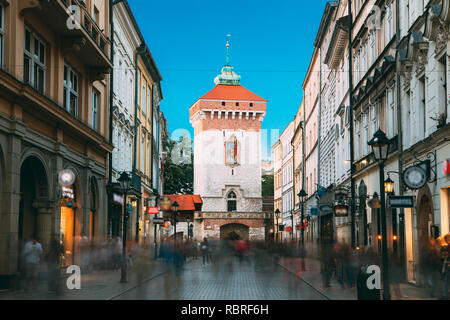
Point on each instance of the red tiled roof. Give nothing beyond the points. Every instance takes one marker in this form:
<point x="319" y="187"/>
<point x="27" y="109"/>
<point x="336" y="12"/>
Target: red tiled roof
<point x="230" y="92"/>
<point x="187" y="202"/>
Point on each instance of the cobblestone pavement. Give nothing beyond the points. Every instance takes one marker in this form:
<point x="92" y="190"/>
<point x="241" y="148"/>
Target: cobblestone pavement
<point x="227" y="280"/>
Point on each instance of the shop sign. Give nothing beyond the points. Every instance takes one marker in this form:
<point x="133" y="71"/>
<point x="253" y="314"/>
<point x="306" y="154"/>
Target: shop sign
<point x="289" y="229"/>
<point x="401" y="202"/>
<point x="341" y="210"/>
<point x="158" y="220"/>
<point x="67" y="193"/>
<point x="446" y="167"/>
<point x="117" y="198"/>
<point x="152" y="210"/>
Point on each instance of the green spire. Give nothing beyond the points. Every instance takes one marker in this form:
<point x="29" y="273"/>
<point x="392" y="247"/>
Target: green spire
<point x="228" y="76"/>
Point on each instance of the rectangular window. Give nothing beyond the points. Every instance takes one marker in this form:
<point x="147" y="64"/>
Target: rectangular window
<point x="144" y="98"/>
<point x="358" y="140"/>
<point x="373" y="120"/>
<point x="143" y="153"/>
<point x="95" y="102"/>
<point x="365" y="134"/>
<point x="389" y="24"/>
<point x="372" y="41"/>
<point x="391" y="113"/>
<point x="96" y="15"/>
<point x="2" y="35"/>
<point x="34" y="61"/>
<point x="70" y="90"/>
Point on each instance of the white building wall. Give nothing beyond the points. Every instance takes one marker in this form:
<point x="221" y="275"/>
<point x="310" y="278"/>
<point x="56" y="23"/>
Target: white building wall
<point x="214" y="180"/>
<point x="126" y="40"/>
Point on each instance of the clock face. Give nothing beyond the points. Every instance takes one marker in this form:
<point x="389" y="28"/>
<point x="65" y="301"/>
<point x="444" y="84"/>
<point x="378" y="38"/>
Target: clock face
<point x="415" y="177"/>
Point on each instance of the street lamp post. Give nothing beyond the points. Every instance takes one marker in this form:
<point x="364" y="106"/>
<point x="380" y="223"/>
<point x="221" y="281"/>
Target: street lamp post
<point x="277" y="214"/>
<point x="380" y="146"/>
<point x="152" y="200"/>
<point x="125" y="182"/>
<point x="302" y="196"/>
<point x="175" y="211"/>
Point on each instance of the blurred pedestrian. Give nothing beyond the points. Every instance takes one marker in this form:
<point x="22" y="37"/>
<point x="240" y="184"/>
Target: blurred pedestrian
<point x="32" y="254"/>
<point x="327" y="264"/>
<point x="53" y="259"/>
<point x="432" y="266"/>
<point x="205" y="250"/>
<point x="445" y="267"/>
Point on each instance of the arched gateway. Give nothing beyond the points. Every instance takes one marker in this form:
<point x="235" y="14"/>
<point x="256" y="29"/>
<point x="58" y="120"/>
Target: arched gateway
<point x="234" y="231"/>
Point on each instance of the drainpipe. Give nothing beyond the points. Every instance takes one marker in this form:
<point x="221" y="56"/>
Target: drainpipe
<point x="319" y="126"/>
<point x="352" y="155"/>
<point x="401" y="225"/>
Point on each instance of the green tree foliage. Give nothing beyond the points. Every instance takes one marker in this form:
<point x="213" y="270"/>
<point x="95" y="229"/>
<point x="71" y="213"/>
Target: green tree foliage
<point x="178" y="168"/>
<point x="267" y="185"/>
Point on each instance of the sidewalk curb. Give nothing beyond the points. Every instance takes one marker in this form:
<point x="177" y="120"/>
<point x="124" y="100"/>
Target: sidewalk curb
<point x="319" y="291"/>
<point x="136" y="286"/>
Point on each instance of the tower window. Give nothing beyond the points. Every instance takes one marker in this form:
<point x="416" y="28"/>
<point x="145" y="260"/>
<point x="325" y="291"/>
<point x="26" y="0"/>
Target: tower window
<point x="237" y="104"/>
<point x="251" y="104"/>
<point x="223" y="103"/>
<point x="231" y="201"/>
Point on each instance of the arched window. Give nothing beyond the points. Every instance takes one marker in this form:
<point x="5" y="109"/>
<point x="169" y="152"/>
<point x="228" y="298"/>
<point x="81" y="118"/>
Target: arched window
<point x="232" y="202"/>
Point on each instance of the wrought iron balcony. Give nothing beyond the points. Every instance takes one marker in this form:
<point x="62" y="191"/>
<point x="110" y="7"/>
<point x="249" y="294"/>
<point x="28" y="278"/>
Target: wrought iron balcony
<point x="79" y="33"/>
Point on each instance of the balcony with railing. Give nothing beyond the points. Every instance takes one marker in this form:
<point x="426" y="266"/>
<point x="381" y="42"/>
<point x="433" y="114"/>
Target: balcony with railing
<point x="79" y="32"/>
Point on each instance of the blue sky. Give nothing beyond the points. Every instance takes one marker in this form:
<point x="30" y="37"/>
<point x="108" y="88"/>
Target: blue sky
<point x="271" y="47"/>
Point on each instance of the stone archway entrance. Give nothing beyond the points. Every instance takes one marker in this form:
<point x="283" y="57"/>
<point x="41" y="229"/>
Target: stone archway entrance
<point x="424" y="221"/>
<point x="234" y="231"/>
<point x="34" y="189"/>
<point x="33" y="205"/>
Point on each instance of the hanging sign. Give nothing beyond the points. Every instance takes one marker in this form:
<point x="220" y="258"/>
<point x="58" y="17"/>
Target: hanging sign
<point x="152" y="210"/>
<point x="117" y="198"/>
<point x="67" y="193"/>
<point x="158" y="221"/>
<point x="401" y="202"/>
<point x="415" y="177"/>
<point x="341" y="210"/>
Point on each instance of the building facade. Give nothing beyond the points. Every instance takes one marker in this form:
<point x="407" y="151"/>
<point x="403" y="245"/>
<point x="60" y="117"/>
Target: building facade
<point x="287" y="181"/>
<point x="311" y="89"/>
<point x="54" y="116"/>
<point x="277" y="185"/>
<point x="425" y="116"/>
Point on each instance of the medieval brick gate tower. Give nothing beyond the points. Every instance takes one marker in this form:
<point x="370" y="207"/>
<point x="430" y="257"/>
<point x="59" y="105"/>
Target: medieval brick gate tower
<point x="227" y="161"/>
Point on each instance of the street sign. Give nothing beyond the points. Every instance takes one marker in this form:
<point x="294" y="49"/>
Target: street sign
<point x="326" y="208"/>
<point x="401" y="202"/>
<point x="158" y="220"/>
